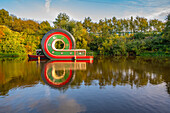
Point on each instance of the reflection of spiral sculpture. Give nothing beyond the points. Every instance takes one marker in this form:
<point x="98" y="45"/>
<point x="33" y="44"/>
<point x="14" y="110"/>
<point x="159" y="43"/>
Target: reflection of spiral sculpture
<point x="56" y="78"/>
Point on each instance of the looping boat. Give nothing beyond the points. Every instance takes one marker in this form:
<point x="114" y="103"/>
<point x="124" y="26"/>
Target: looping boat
<point x="56" y="38"/>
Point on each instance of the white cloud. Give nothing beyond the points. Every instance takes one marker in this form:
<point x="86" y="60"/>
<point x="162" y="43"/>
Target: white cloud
<point x="160" y="14"/>
<point x="150" y="9"/>
<point x="69" y="105"/>
<point x="47" y="5"/>
<point x="77" y="10"/>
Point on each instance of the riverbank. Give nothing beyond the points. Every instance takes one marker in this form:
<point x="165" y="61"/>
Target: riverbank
<point x="163" y="54"/>
<point x="12" y="55"/>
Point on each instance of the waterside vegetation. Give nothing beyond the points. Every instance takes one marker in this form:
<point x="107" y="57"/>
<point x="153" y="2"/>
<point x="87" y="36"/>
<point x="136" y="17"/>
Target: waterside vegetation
<point x="119" y="37"/>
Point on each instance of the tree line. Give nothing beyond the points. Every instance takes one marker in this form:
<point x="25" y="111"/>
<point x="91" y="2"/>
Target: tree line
<point x="109" y="36"/>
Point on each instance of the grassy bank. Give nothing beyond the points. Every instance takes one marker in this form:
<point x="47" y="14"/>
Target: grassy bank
<point x="11" y="55"/>
<point x="155" y="54"/>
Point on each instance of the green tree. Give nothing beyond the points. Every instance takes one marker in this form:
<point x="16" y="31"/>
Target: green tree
<point x="166" y="31"/>
<point x="44" y="27"/>
<point x="119" y="27"/>
<point x="12" y="42"/>
<point x="114" y="21"/>
<point x="81" y="36"/>
<point x="132" y="25"/>
<point x="61" y="21"/>
<point x="156" y="25"/>
<point x="88" y="24"/>
<point x="5" y="19"/>
<point x="142" y="24"/>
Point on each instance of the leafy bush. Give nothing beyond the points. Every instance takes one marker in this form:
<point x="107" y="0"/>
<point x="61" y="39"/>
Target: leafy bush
<point x="139" y="35"/>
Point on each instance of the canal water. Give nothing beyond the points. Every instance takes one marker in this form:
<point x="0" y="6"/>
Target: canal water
<point x="108" y="85"/>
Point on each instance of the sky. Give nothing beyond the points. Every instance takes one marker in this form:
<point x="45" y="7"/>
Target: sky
<point x="42" y="10"/>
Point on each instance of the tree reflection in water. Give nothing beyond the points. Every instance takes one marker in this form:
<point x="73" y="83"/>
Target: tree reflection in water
<point x="134" y="71"/>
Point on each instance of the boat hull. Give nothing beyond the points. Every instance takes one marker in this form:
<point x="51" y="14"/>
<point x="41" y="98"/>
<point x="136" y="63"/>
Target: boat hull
<point x="63" y="58"/>
<point x="36" y="57"/>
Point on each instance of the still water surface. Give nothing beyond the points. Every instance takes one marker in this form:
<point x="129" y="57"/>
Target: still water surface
<point x="108" y="85"/>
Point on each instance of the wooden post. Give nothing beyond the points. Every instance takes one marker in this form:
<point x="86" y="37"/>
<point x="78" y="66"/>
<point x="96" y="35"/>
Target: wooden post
<point x="91" y="59"/>
<point x="38" y="59"/>
<point x="75" y="58"/>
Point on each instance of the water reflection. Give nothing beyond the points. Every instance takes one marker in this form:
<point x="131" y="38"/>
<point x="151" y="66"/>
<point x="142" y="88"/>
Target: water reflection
<point x="104" y="71"/>
<point x="18" y="72"/>
<point x="69" y="105"/>
<point x="59" y="74"/>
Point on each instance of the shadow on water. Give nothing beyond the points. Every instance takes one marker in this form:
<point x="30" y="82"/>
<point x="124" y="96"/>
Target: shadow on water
<point x="112" y="71"/>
